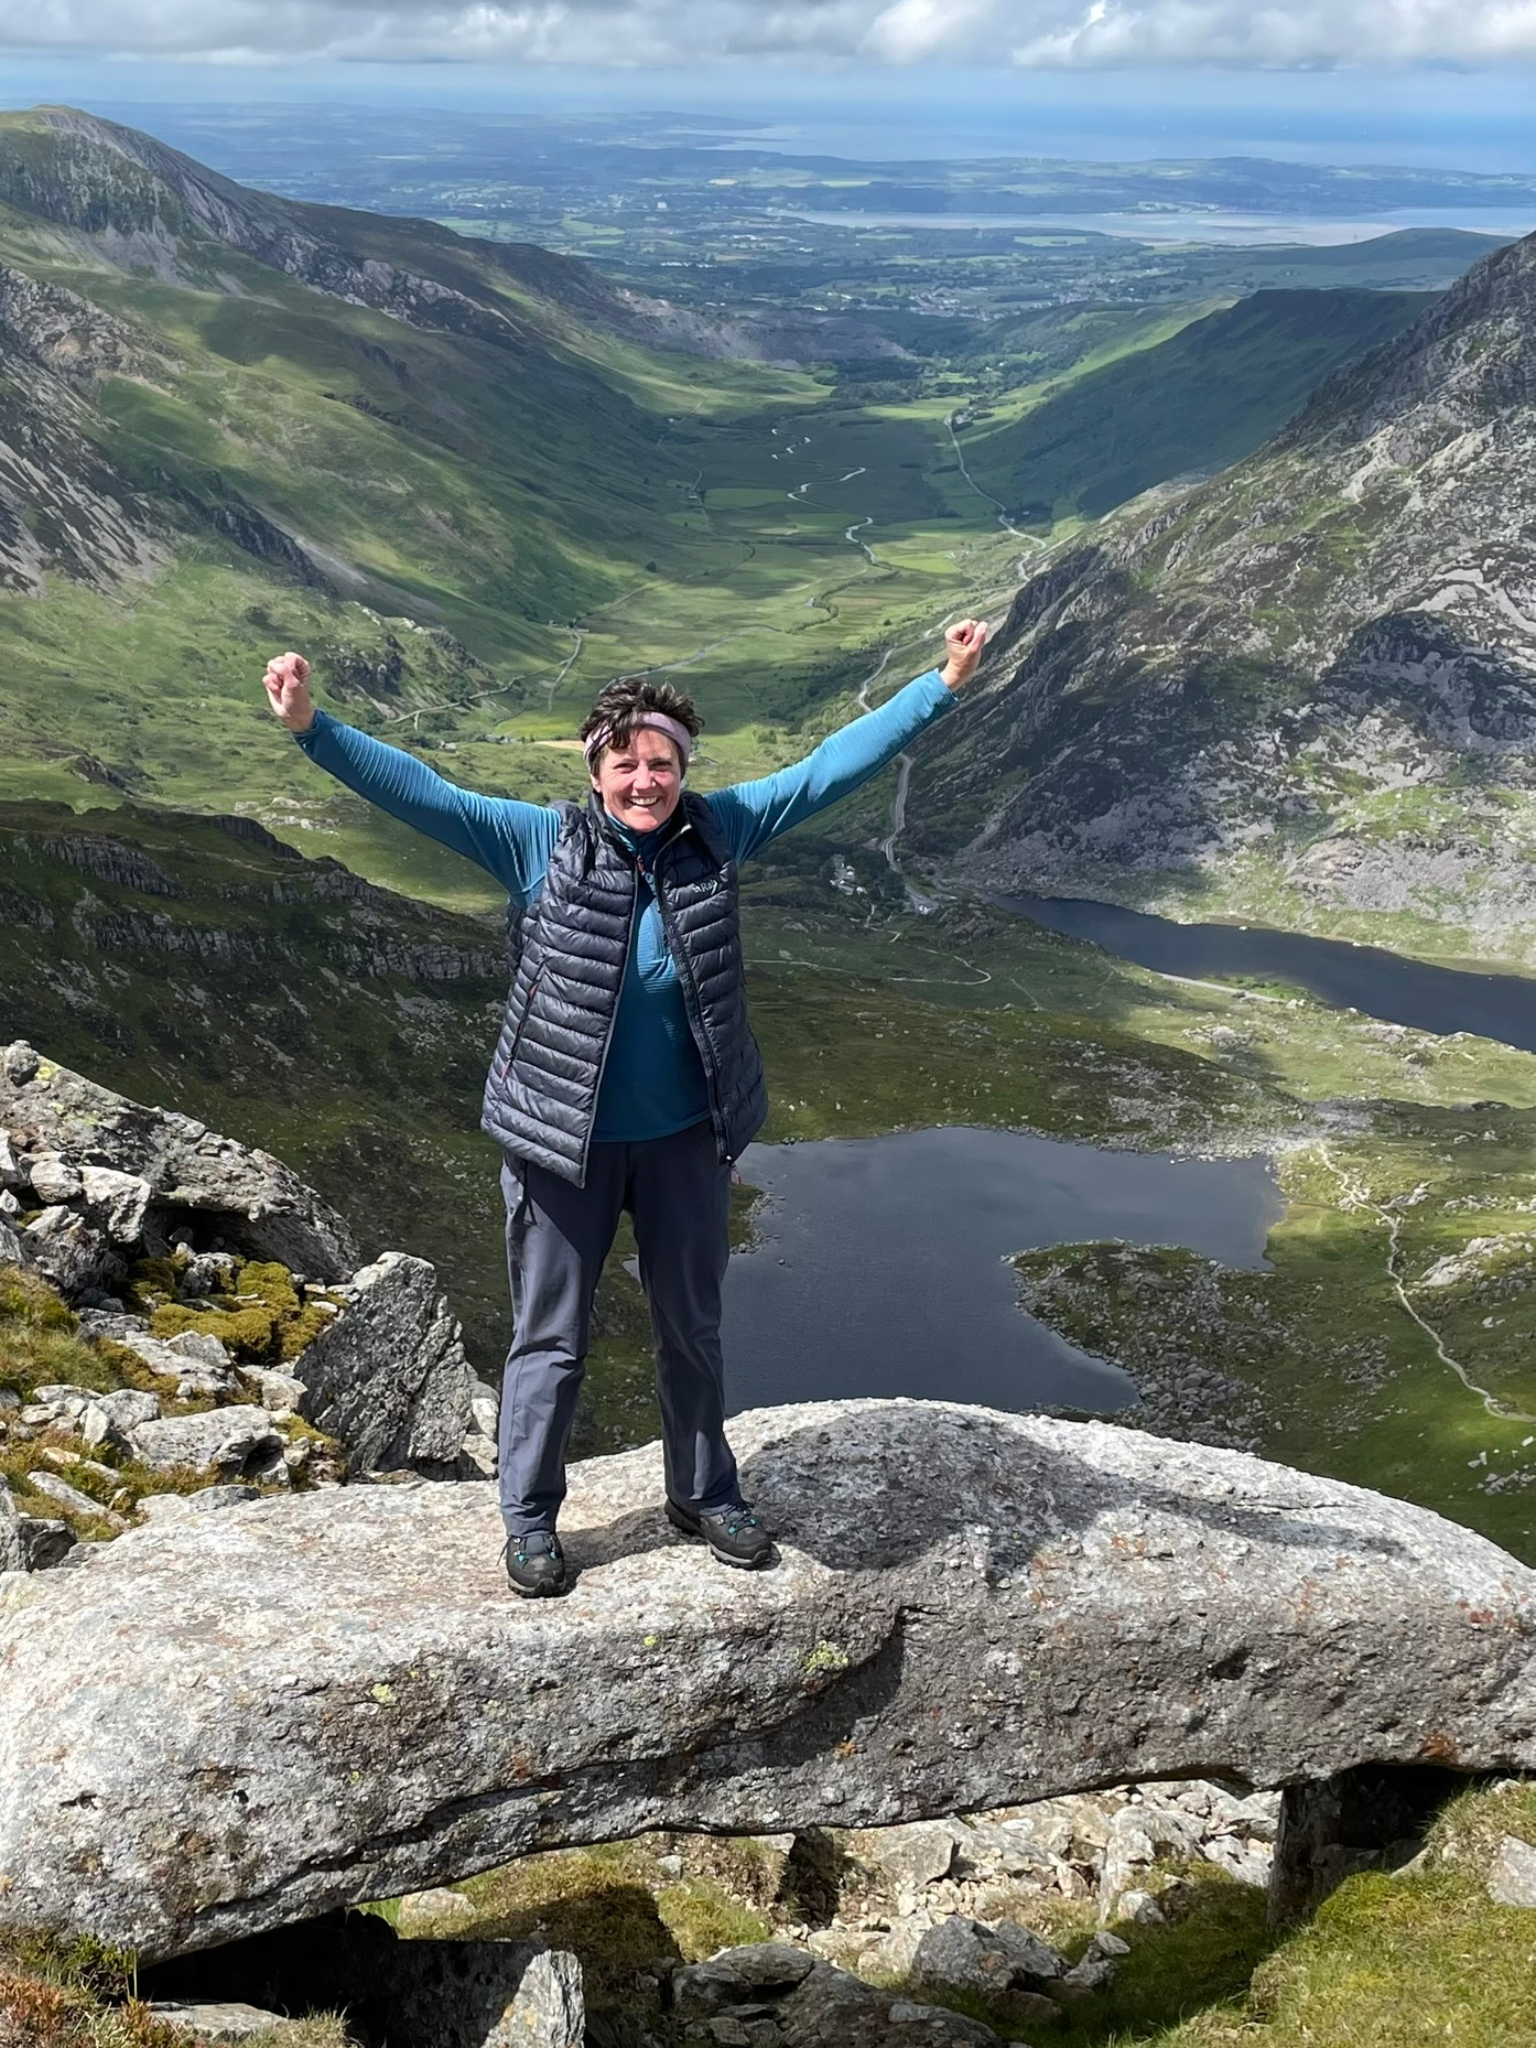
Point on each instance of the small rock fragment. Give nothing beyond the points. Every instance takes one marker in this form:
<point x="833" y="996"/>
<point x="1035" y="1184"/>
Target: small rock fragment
<point x="278" y="1391"/>
<point x="911" y="1856"/>
<point x="116" y="1202"/>
<point x="20" y="1063"/>
<point x="1512" y="1880"/>
<point x="233" y="1440"/>
<point x="72" y="1500"/>
<point x="12" y="1174"/>
<point x="1141" y="1908"/>
<point x="28" y="1543"/>
<point x="53" y="1179"/>
<point x="65" y="1249"/>
<point x="227" y="2022"/>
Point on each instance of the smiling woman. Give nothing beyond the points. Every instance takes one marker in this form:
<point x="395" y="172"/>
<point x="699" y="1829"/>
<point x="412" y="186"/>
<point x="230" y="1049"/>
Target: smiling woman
<point x="626" y="1076"/>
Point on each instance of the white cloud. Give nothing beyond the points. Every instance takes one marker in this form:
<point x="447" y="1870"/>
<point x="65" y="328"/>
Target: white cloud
<point x="1319" y="33"/>
<point x="1032" y="34"/>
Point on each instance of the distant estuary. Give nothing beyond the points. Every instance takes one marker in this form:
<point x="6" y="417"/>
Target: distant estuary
<point x="880" y="1263"/>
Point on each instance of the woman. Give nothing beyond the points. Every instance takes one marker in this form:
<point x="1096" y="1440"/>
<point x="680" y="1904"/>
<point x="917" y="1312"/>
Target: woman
<point x="626" y="1076"/>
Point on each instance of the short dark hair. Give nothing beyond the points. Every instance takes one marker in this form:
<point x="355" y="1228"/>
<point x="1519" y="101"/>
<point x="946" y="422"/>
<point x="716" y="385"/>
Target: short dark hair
<point x="626" y="701"/>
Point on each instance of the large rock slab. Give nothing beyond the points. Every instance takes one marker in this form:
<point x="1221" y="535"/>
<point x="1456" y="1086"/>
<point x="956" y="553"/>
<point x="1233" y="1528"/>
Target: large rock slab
<point x="231" y="1721"/>
<point x="130" y="1161"/>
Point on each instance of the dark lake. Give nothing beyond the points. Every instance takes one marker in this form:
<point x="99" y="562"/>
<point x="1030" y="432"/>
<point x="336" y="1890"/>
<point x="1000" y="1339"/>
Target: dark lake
<point x="1366" y="978"/>
<point x="880" y="1268"/>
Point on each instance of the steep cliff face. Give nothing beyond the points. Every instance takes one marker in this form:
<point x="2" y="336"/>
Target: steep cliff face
<point x="69" y="505"/>
<point x="64" y="506"/>
<point x="1322" y="663"/>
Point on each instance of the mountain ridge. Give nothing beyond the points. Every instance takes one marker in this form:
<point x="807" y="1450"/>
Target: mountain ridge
<point x="1313" y="676"/>
<point x="150" y="211"/>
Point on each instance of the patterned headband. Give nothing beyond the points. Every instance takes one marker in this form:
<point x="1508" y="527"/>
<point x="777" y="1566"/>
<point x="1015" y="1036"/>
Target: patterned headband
<point x="655" y="721"/>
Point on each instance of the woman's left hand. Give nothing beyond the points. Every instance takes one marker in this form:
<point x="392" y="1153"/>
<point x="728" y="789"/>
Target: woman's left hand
<point x="964" y="642"/>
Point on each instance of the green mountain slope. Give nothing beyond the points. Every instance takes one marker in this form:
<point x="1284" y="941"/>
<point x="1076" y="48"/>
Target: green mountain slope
<point x="1199" y="401"/>
<point x="473" y="480"/>
<point x="416" y="416"/>
<point x="1306" y="691"/>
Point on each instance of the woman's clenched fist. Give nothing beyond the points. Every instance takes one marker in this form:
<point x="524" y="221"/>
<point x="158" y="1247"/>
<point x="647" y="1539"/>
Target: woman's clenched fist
<point x="287" y="684"/>
<point x="963" y="642"/>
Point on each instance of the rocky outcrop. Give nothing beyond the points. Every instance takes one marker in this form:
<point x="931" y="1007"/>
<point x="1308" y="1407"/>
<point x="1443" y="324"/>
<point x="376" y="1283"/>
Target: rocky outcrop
<point x="64" y="507"/>
<point x="389" y="1376"/>
<point x="61" y="332"/>
<point x="374" y="1361"/>
<point x="179" y="1171"/>
<point x="30" y="1543"/>
<point x="236" y="1720"/>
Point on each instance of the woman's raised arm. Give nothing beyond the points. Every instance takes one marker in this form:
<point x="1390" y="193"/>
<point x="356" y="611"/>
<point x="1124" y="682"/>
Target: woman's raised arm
<point x="509" y="839"/>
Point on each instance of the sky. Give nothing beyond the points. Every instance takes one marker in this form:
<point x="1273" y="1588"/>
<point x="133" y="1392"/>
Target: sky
<point x="1448" y="82"/>
<point x="1023" y="34"/>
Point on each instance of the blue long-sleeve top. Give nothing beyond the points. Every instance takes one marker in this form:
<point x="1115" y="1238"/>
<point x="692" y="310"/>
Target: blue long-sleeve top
<point x="653" y="1083"/>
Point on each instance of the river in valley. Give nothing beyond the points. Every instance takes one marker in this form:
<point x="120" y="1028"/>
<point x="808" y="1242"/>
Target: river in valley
<point x="879" y="1267"/>
<point x="1365" y="978"/>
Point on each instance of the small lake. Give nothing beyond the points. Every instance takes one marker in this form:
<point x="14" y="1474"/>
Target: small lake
<point x="879" y="1269"/>
<point x="1381" y="984"/>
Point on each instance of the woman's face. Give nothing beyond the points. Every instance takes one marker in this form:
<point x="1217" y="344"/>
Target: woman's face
<point x="640" y="782"/>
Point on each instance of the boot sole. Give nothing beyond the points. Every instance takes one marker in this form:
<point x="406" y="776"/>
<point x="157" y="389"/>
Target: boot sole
<point x="686" y="1527"/>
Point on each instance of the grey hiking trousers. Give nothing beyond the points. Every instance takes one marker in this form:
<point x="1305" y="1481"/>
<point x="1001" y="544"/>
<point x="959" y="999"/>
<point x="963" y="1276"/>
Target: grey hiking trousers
<point x="557" y="1239"/>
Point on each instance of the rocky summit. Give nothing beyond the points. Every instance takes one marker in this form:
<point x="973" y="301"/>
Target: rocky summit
<point x="118" y="1165"/>
<point x="228" y="1722"/>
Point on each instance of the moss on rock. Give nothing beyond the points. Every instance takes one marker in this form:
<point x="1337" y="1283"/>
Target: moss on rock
<point x="246" y="1333"/>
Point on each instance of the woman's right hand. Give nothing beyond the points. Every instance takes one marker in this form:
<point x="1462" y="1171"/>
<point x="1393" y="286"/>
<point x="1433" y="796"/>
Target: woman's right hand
<point x="287" y="684"/>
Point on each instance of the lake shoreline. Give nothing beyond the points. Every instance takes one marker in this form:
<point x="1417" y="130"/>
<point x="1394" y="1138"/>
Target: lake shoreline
<point x="1377" y="981"/>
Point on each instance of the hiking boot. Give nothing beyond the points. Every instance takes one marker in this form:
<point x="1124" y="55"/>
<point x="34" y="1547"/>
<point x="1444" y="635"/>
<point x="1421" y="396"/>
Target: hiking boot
<point x="535" y="1564"/>
<point x="735" y="1535"/>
